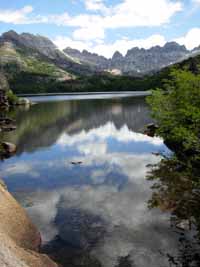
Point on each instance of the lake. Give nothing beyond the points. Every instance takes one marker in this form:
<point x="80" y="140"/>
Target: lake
<point x="80" y="172"/>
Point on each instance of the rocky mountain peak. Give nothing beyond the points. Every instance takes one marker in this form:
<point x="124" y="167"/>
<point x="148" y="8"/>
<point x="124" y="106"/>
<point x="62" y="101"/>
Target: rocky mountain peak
<point x="71" y="50"/>
<point x="133" y="50"/>
<point x="117" y="55"/>
<point x="137" y="60"/>
<point x="37" y="42"/>
<point x="10" y="34"/>
<point x="173" y="47"/>
<point x="97" y="62"/>
<point x="41" y="47"/>
<point x="41" y="40"/>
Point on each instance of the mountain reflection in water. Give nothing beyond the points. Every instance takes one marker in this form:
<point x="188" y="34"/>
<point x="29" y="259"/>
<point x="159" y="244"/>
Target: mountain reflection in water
<point x="95" y="212"/>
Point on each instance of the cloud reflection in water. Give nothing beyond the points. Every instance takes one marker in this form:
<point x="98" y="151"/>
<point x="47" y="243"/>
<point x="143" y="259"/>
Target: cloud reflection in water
<point x="100" y="205"/>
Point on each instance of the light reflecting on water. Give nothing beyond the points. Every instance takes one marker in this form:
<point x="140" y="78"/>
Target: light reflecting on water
<point x="80" y="171"/>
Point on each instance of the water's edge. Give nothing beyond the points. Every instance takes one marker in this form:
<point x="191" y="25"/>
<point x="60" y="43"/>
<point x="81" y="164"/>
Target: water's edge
<point x="114" y="93"/>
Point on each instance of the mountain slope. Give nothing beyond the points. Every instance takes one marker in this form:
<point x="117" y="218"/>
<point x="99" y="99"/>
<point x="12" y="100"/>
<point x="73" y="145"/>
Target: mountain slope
<point x="32" y="63"/>
<point x="101" y="81"/>
<point x="41" y="48"/>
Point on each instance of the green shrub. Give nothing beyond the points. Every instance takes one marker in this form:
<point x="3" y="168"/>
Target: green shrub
<point x="176" y="108"/>
<point x="12" y="98"/>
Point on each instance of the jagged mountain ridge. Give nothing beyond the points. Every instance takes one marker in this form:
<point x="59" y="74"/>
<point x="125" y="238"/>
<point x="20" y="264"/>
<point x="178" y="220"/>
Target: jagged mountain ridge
<point x="136" y="61"/>
<point x="40" y="48"/>
<point x="33" y="64"/>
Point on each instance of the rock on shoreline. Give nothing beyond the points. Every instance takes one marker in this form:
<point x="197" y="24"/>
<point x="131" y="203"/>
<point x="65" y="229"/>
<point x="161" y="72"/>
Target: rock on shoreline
<point x="19" y="239"/>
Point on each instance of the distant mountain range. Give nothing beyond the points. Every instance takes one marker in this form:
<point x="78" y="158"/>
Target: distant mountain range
<point x="20" y="48"/>
<point x="33" y="64"/>
<point x="136" y="61"/>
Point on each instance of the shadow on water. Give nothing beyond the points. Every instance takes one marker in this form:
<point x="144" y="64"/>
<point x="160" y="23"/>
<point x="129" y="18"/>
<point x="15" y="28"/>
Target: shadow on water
<point x="80" y="172"/>
<point x="176" y="189"/>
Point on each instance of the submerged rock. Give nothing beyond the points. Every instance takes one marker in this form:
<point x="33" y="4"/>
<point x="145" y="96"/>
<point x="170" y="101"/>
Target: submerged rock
<point x="151" y="129"/>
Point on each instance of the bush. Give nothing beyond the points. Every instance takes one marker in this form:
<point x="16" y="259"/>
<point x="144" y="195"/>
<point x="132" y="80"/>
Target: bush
<point x="12" y="98"/>
<point x="176" y="108"/>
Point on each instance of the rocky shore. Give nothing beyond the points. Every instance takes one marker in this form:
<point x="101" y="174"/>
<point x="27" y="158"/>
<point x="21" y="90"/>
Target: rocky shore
<point x="20" y="240"/>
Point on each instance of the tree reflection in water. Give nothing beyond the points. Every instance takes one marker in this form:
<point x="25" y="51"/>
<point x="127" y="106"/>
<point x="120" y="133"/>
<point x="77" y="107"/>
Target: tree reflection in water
<point x="176" y="189"/>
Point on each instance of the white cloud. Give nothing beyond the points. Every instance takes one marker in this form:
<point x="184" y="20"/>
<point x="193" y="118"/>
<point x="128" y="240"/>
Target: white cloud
<point x="191" y="39"/>
<point x="108" y="130"/>
<point x="196" y="1"/>
<point x="89" y="33"/>
<point x="108" y="49"/>
<point x="18" y="16"/>
<point x="63" y="42"/>
<point x="60" y="20"/>
<point x="46" y="221"/>
<point x="123" y="45"/>
<point x="94" y="149"/>
<point x="20" y="168"/>
<point x="132" y="228"/>
<point x="89" y="29"/>
<point x="132" y="13"/>
<point x="96" y="5"/>
<point x="129" y="13"/>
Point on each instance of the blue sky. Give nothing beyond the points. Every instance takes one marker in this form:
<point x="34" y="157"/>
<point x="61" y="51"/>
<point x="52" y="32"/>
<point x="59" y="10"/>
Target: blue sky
<point x="104" y="26"/>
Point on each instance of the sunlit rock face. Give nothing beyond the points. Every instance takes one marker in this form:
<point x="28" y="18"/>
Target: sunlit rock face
<point x="20" y="240"/>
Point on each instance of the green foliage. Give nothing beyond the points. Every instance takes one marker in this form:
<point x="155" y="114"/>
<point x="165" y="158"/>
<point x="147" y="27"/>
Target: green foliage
<point x="33" y="73"/>
<point x="34" y="82"/>
<point x="176" y="187"/>
<point x="176" y="108"/>
<point x="12" y="98"/>
<point x="36" y="66"/>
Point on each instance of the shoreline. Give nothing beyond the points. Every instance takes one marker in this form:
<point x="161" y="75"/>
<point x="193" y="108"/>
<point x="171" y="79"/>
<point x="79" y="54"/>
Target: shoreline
<point x="35" y="98"/>
<point x="128" y="93"/>
<point x="20" y="239"/>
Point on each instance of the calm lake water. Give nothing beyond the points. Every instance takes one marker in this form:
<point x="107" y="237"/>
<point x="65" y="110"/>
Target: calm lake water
<point x="80" y="172"/>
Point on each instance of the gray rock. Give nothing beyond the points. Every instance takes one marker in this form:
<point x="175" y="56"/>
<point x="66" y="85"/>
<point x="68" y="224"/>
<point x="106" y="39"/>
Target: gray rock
<point x="136" y="61"/>
<point x="97" y="62"/>
<point x="24" y="101"/>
